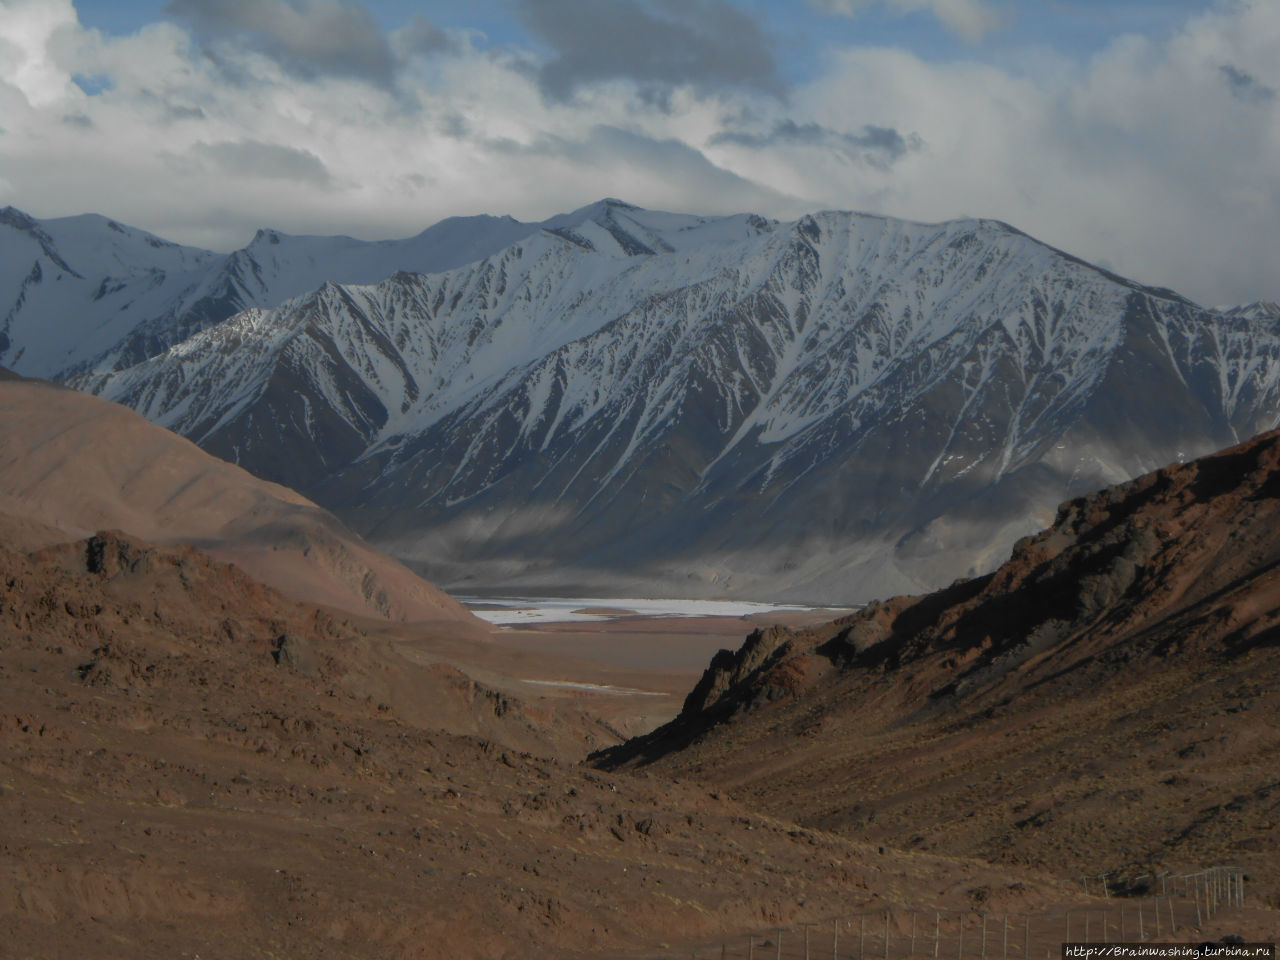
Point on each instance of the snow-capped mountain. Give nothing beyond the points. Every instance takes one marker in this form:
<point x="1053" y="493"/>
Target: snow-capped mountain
<point x="85" y="293"/>
<point x="833" y="408"/>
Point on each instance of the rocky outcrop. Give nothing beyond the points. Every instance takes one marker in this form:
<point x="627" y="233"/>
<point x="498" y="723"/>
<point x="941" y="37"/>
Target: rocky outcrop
<point x="1113" y="671"/>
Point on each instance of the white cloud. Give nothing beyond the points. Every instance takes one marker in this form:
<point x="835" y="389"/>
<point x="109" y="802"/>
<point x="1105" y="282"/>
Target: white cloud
<point x="27" y="30"/>
<point x="1161" y="157"/>
<point x="971" y="19"/>
<point x="1150" y="156"/>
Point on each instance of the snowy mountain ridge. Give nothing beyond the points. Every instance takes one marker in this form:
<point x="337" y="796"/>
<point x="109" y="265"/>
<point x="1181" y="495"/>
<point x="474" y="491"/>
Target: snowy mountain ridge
<point x="123" y="295"/>
<point x="830" y="408"/>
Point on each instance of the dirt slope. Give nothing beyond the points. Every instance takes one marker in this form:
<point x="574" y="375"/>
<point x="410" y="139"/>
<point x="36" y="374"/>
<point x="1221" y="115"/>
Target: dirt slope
<point x="1105" y="702"/>
<point x="190" y="764"/>
<point x="72" y="464"/>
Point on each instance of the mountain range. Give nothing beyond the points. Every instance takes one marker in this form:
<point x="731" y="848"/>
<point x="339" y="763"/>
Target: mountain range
<point x="836" y="408"/>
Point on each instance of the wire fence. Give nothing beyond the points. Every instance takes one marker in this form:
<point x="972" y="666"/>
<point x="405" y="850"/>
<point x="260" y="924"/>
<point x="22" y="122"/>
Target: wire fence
<point x="1125" y="909"/>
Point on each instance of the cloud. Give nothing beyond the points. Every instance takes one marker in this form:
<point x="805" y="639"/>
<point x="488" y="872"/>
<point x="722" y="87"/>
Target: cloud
<point x="1244" y="86"/>
<point x="971" y="19"/>
<point x="1151" y="155"/>
<point x="421" y="37"/>
<point x="309" y="37"/>
<point x="667" y="172"/>
<point x="253" y="158"/>
<point x="27" y="29"/>
<point x="876" y="145"/>
<point x="707" y="44"/>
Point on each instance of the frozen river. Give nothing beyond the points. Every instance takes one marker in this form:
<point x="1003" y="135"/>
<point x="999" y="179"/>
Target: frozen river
<point x="516" y="610"/>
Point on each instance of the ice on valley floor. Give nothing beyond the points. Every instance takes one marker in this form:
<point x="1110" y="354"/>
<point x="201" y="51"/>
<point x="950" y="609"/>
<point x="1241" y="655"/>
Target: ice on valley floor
<point x="517" y="610"/>
<point x="595" y="688"/>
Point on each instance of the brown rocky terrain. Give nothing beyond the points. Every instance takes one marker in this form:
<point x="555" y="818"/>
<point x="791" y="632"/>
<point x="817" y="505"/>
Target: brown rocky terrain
<point x="1106" y="702"/>
<point x="72" y="464"/>
<point x="192" y="764"/>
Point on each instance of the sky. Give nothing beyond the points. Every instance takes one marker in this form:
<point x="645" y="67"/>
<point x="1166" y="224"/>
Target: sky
<point x="1143" y="135"/>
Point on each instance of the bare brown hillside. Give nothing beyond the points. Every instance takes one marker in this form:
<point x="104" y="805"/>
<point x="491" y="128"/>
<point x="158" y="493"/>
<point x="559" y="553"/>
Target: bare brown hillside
<point x="1105" y="702"/>
<point x="72" y="464"/>
<point x="192" y="764"/>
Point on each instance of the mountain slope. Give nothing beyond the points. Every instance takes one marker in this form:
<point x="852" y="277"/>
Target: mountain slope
<point x="192" y="763"/>
<point x="1102" y="703"/>
<point x="80" y="294"/>
<point x="836" y="408"/>
<point x="72" y="464"/>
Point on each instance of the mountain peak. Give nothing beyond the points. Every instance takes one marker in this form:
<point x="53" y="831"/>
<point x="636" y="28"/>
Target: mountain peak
<point x="1257" y="310"/>
<point x="13" y="217"/>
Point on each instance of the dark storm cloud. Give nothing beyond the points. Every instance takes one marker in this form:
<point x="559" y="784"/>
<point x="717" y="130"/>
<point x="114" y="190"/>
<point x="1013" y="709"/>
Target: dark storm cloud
<point x="1245" y="86"/>
<point x="659" y="44"/>
<point x="879" y="146"/>
<point x="308" y="37"/>
<point x="253" y="158"/>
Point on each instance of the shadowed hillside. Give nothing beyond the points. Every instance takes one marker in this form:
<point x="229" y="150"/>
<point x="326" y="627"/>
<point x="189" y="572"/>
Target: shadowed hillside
<point x="1106" y="701"/>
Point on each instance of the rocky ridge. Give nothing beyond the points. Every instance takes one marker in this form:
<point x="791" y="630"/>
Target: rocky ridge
<point x="1099" y="703"/>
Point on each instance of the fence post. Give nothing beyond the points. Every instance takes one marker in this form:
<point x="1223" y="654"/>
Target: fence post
<point x="1066" y="937"/>
<point x="1173" y="919"/>
<point x="1142" y="932"/>
<point x="806" y="942"/>
<point x="886" y="934"/>
<point x="778" y="951"/>
<point x="862" y="936"/>
<point x="1004" y="937"/>
<point x="982" y="952"/>
<point x="1086" y="927"/>
<point x="1195" y="895"/>
<point x="1026" y="941"/>
<point x="751" y="947"/>
<point x="937" y="932"/>
<point x="835" y="939"/>
<point x="1106" y="894"/>
<point x="960" y="938"/>
<point x="913" y="934"/>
